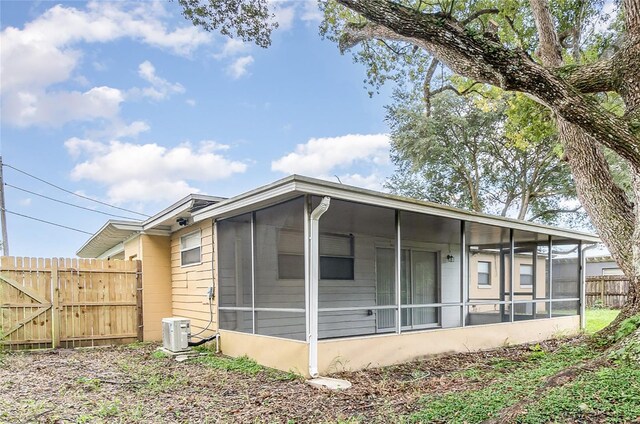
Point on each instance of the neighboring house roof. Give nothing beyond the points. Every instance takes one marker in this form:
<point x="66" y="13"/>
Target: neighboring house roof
<point x="109" y="239"/>
<point x="200" y="207"/>
<point x="296" y="185"/>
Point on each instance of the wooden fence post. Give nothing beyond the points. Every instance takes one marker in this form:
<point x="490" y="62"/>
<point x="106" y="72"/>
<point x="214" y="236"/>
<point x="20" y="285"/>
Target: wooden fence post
<point x="55" y="305"/>
<point x="602" y="287"/>
<point x="139" y="300"/>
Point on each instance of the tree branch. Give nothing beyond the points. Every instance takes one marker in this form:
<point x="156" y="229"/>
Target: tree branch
<point x="597" y="77"/>
<point x="486" y="61"/>
<point x="553" y="212"/>
<point x="455" y="90"/>
<point x="475" y="15"/>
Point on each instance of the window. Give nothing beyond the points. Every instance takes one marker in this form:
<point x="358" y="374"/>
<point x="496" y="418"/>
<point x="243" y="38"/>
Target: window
<point x="336" y="257"/>
<point x="612" y="271"/>
<point x="526" y="275"/>
<point x="484" y="273"/>
<point x="290" y="255"/>
<point x="190" y="249"/>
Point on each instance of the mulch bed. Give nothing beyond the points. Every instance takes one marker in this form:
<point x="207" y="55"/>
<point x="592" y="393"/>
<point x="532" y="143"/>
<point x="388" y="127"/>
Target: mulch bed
<point x="125" y="384"/>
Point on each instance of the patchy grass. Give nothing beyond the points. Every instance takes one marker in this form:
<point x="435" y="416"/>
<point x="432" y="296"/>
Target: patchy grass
<point x="242" y="364"/>
<point x="508" y="382"/>
<point x="136" y="385"/>
<point x="610" y="394"/>
<point x="597" y="319"/>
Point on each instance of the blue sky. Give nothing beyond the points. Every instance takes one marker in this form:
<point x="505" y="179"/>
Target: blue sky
<point x="130" y="104"/>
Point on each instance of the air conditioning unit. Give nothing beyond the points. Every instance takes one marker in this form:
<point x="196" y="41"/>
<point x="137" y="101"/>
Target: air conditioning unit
<point x="176" y="333"/>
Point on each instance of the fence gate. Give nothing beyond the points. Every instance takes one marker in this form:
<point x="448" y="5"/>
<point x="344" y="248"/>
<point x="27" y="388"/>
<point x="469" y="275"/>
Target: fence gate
<point x="69" y="302"/>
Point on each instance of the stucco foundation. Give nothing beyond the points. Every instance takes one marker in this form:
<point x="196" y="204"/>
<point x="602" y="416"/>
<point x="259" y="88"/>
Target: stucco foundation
<point x="357" y="353"/>
<point x="274" y="352"/>
<point x="375" y="351"/>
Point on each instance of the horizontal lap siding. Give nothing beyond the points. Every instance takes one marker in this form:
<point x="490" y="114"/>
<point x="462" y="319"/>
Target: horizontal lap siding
<point x="342" y="293"/>
<point x="190" y="284"/>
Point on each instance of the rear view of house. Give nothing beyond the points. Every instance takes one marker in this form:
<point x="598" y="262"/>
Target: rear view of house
<point x="313" y="276"/>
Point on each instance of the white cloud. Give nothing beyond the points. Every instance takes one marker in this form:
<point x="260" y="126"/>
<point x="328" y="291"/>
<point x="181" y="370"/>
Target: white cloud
<point x="372" y="182"/>
<point x="238" y="68"/>
<point x="25" y="108"/>
<point x="191" y="102"/>
<point x="46" y="51"/>
<point x="149" y="172"/>
<point x="311" y="12"/>
<point x="284" y="15"/>
<point x="232" y="47"/>
<point x="160" y="88"/>
<point x="25" y="201"/>
<point x="322" y="156"/>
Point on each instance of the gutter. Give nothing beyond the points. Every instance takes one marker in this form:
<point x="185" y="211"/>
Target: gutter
<point x="314" y="271"/>
<point x="583" y="285"/>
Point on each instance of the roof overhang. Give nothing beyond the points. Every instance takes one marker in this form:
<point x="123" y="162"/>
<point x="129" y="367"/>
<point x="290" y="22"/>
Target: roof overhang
<point x="106" y="241"/>
<point x="296" y="185"/>
<point x="112" y="233"/>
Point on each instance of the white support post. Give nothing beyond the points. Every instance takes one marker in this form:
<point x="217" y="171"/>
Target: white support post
<point x="314" y="277"/>
<point x="307" y="207"/>
<point x="253" y="272"/>
<point x="398" y="279"/>
<point x="512" y="266"/>
<point x="550" y="278"/>
<point x="464" y="275"/>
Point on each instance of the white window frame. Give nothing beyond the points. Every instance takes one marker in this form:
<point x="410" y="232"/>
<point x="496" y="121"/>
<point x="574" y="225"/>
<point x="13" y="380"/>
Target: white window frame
<point x="484" y="286"/>
<point x="531" y="274"/>
<point x="607" y="272"/>
<point x="199" y="247"/>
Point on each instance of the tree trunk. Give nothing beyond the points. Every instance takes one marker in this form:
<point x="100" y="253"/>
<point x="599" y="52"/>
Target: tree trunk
<point x="583" y="126"/>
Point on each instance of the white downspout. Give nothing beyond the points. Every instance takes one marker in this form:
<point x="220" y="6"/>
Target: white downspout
<point x="583" y="285"/>
<point x="314" y="271"/>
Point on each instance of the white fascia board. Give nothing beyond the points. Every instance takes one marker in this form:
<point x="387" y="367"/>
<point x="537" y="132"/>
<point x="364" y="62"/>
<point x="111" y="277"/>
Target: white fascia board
<point x="420" y="207"/>
<point x="118" y="248"/>
<point x="121" y="225"/>
<point x="183" y="205"/>
<point x="251" y="200"/>
<point x="163" y="231"/>
<point x="177" y="210"/>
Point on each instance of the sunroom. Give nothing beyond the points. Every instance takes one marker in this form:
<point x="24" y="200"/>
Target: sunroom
<point x="316" y="277"/>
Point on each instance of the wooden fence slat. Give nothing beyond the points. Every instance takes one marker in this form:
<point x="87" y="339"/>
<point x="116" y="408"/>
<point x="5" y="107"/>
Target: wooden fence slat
<point x="609" y="290"/>
<point x="67" y="302"/>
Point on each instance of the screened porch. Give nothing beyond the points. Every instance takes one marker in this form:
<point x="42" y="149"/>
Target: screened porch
<point x="382" y="270"/>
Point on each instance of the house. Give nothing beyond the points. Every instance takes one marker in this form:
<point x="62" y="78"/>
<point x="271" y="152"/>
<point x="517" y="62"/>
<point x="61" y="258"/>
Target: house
<point x="314" y="276"/>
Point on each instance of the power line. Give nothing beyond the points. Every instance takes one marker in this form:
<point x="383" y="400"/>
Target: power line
<point x="71" y="192"/>
<point x="47" y="222"/>
<point x="66" y="203"/>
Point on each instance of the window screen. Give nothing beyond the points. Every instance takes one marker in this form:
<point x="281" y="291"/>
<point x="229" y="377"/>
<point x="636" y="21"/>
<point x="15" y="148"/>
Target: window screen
<point x="484" y="273"/>
<point x="526" y="275"/>
<point x="336" y="257"/>
<point x="190" y="249"/>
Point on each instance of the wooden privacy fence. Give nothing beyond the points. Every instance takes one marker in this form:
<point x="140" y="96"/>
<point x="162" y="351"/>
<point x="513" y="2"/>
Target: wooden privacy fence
<point x="69" y="302"/>
<point x="606" y="290"/>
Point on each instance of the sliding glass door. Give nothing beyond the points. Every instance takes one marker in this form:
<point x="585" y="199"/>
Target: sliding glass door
<point x="419" y="286"/>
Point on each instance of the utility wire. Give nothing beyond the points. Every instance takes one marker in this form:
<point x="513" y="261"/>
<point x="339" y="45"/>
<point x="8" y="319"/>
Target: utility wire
<point x="66" y="203"/>
<point x="47" y="222"/>
<point x="71" y="192"/>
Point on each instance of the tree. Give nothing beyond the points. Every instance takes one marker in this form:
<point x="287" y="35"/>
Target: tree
<point x="498" y="44"/>
<point x="468" y="156"/>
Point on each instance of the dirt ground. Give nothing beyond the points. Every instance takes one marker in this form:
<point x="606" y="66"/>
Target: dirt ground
<point x="132" y="384"/>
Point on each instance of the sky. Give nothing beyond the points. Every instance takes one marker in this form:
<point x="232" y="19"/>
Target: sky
<point x="130" y="104"/>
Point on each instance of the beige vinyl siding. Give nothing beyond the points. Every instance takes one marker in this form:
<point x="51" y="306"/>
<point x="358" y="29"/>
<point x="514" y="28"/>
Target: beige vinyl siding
<point x="190" y="283"/>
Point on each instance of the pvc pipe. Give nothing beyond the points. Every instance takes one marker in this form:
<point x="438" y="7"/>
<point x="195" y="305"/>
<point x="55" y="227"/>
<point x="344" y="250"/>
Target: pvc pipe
<point x="314" y="271"/>
<point x="583" y="285"/>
